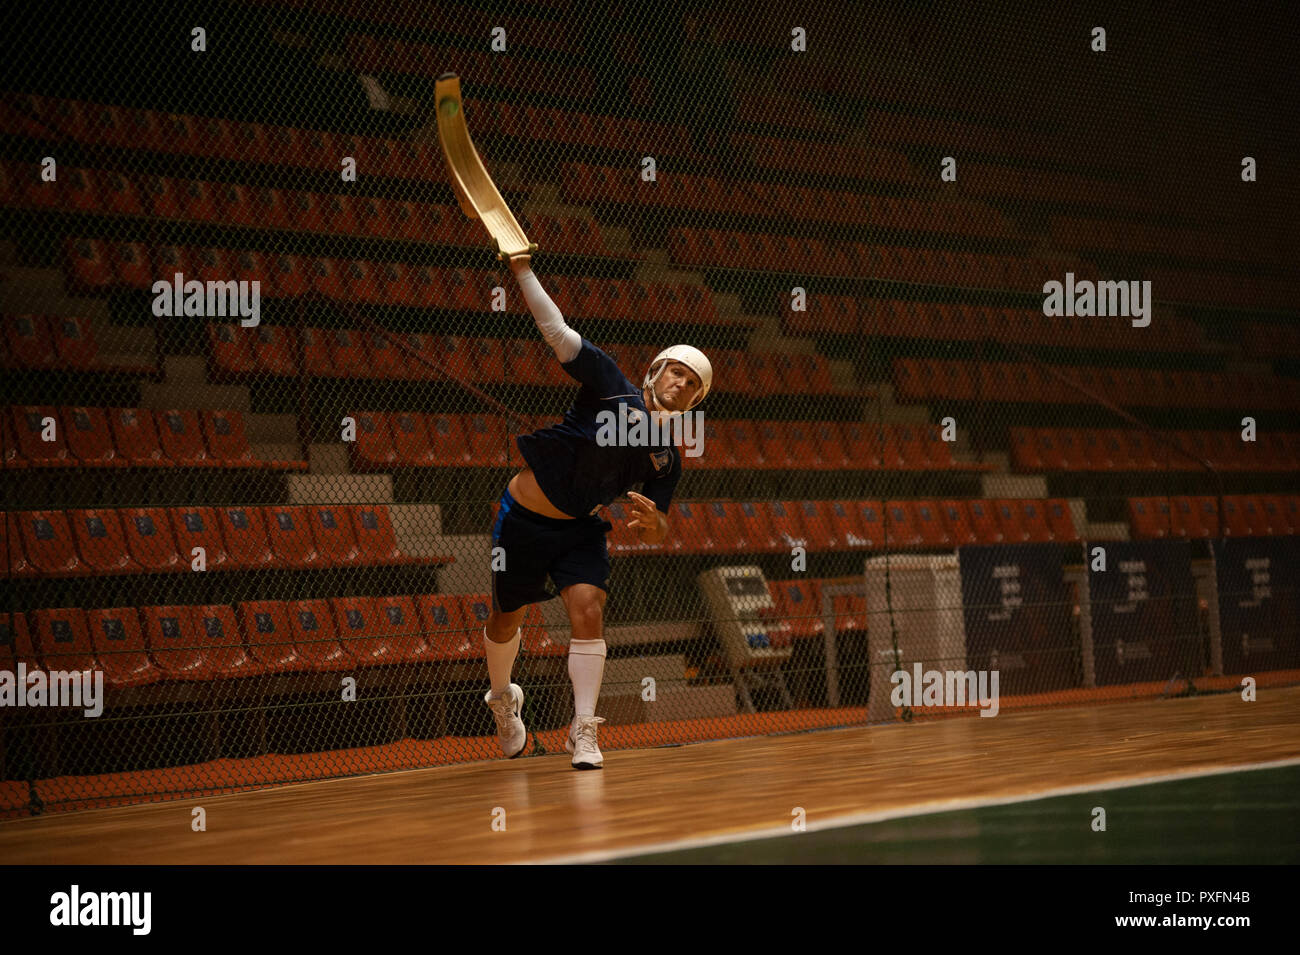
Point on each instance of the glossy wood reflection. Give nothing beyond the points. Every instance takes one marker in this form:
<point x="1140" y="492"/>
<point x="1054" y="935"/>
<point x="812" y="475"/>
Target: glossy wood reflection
<point x="445" y="815"/>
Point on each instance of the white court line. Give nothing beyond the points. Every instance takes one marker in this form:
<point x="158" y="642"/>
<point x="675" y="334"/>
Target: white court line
<point x="863" y="818"/>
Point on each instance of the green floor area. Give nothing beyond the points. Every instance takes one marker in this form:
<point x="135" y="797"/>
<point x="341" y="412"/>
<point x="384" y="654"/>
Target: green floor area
<point x="1248" y="817"/>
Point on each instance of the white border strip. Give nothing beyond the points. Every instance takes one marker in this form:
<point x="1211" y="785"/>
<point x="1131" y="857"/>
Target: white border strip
<point x="863" y="818"/>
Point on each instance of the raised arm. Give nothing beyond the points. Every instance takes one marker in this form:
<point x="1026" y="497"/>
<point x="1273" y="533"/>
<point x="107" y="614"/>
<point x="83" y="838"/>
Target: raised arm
<point x="550" y="322"/>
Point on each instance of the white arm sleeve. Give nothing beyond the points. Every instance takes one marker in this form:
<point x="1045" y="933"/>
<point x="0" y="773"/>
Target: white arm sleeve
<point x="566" y="342"/>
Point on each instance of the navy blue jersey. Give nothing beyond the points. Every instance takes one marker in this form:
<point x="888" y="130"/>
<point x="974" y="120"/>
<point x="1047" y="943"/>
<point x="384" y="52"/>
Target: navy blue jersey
<point x="577" y="474"/>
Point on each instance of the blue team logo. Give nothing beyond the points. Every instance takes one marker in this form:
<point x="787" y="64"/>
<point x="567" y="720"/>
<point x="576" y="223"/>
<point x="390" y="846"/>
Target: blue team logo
<point x="660" y="459"/>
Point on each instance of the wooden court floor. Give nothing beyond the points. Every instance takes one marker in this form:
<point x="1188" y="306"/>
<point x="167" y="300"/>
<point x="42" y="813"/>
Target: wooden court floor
<point x="658" y="796"/>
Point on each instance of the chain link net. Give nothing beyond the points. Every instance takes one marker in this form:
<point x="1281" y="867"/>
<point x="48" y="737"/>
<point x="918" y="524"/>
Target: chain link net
<point x="267" y="521"/>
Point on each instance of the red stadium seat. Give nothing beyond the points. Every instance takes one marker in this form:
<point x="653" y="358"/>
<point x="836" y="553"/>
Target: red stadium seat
<point x="315" y="637"/>
<point x="448" y="443"/>
<point x="200" y="527"/>
<point x="100" y="542"/>
<point x="88" y="436"/>
<point x="1033" y="520"/>
<point x="400" y="624"/>
<point x="149" y="539"/>
<point x="216" y="631"/>
<point x="900" y="521"/>
<point x="535" y="638"/>
<point x="31" y="425"/>
<point x="74" y="341"/>
<point x="387" y="357"/>
<point x="868" y="525"/>
<point x="28" y="342"/>
<point x="787" y="529"/>
<point x="47" y="543"/>
<point x="164" y="198"/>
<point x="798" y="603"/>
<point x="774" y="445"/>
<point x="348" y="355"/>
<point x="489" y="360"/>
<point x="1060" y="522"/>
<point x="742" y="439"/>
<point x="199" y="201"/>
<point x="182" y="438"/>
<point x="375" y="535"/>
<point x="331" y="529"/>
<point x="689" y="530"/>
<point x="1147" y="522"/>
<point x="61" y="638"/>
<point x="1007" y="514"/>
<point x="938" y="452"/>
<point x="1256" y="517"/>
<point x="289" y="530"/>
<point x="135" y="435"/>
<point x="831" y="449"/>
<point x="956" y="520"/>
<point x="474" y="611"/>
<point x="232" y="349"/>
<point x="1234" y="522"/>
<point x="728" y="528"/>
<point x="930" y="524"/>
<point x="863" y="449"/>
<point x="89" y="263"/>
<point x="815" y="518"/>
<point x="984" y="522"/>
<point x="289" y="273"/>
<point x="131" y="264"/>
<point x="226" y="438"/>
<point x="119" y="644"/>
<point x="170" y="635"/>
<point x="356" y="620"/>
<point x="487" y="440"/>
<point x="270" y="637"/>
<point x="885" y="438"/>
<point x="1275" y="514"/>
<point x="373" y="448"/>
<point x="244" y="531"/>
<point x="445" y="633"/>
<point x="119" y="194"/>
<point x="411" y="441"/>
<point x="758" y="527"/>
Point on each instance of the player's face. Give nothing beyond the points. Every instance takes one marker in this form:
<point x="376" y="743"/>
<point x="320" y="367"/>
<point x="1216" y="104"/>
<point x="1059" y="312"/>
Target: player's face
<point x="677" y="386"/>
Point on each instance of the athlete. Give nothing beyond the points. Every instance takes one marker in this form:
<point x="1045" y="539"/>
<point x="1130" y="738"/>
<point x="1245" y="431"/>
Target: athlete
<point x="548" y="524"/>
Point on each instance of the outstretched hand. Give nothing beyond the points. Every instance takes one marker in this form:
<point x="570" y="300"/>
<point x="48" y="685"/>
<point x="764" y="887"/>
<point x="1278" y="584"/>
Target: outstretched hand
<point x="518" y="263"/>
<point x="644" y="512"/>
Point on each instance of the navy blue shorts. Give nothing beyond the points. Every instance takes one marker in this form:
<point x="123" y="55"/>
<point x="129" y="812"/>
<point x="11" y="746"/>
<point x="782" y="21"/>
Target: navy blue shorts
<point x="569" y="551"/>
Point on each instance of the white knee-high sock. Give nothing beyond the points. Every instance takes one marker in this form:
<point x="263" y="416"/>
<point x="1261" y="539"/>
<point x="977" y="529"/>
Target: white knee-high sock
<point x="586" y="667"/>
<point x="500" y="660"/>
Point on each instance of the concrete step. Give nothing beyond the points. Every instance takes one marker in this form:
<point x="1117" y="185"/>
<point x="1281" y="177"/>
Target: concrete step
<point x="616" y="238"/>
<point x="473" y="567"/>
<point x="1105" y="531"/>
<point x="123" y="346"/>
<point x="670" y="703"/>
<point x="195" y="397"/>
<point x="1013" y="485"/>
<point x="267" y="451"/>
<point x="272" y="428"/>
<point x="625" y="675"/>
<point x="340" y="488"/>
<point x="43" y="290"/>
<point x="419" y="525"/>
<point x="328" y="459"/>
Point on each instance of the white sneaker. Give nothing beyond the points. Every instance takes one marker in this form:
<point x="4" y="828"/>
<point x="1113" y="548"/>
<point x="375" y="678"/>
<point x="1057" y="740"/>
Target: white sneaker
<point x="582" y="742"/>
<point x="510" y="728"/>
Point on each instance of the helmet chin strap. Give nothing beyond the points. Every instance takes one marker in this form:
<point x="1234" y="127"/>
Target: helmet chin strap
<point x="654" y="396"/>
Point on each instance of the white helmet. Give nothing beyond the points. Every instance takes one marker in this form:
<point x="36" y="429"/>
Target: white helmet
<point x="693" y="359"/>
